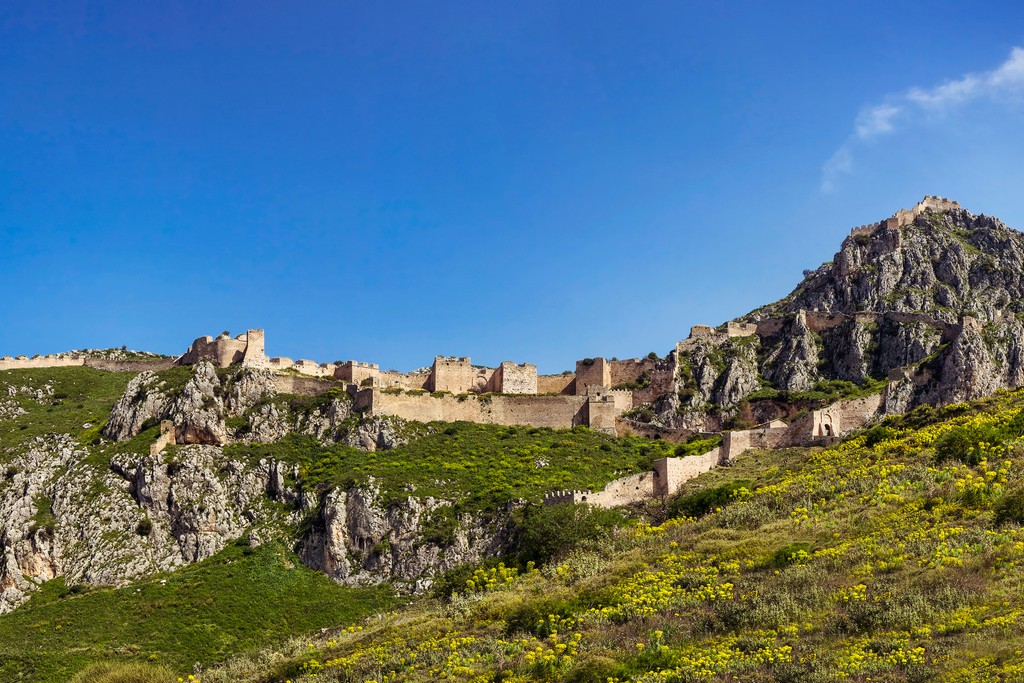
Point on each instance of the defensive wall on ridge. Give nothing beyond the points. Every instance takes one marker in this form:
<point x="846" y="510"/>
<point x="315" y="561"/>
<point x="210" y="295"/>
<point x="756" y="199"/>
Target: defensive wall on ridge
<point x="818" y="427"/>
<point x="598" y="410"/>
<point x="905" y="217"/>
<point x="73" y="360"/>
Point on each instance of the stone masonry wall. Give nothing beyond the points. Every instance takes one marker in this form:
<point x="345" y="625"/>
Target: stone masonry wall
<point x="556" y="384"/>
<point x="357" y="373"/>
<point x="452" y="374"/>
<point x="631" y="489"/>
<point x="516" y="379"/>
<point x="254" y="355"/>
<point x="66" y="360"/>
<point x="594" y="372"/>
<point x="658" y="373"/>
<point x="154" y="365"/>
<point x="556" y="412"/>
<point x="303" y="386"/>
<point x="671" y="473"/>
<point x="23" y="362"/>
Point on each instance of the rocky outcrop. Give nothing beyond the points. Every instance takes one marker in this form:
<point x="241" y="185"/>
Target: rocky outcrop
<point x="143" y="402"/>
<point x="793" y="363"/>
<point x="145" y="514"/>
<point x="198" y="411"/>
<point x="203" y="407"/>
<point x="150" y="514"/>
<point x="356" y="539"/>
<point x="935" y="290"/>
<point x="376" y="433"/>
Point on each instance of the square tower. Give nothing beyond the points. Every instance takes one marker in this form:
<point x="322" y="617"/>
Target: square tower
<point x="595" y="372"/>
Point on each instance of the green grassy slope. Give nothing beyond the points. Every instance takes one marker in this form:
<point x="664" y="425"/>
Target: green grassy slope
<point x="480" y="466"/>
<point x="234" y="602"/>
<point x="895" y="556"/>
<point x="237" y="602"/>
<point x="80" y="396"/>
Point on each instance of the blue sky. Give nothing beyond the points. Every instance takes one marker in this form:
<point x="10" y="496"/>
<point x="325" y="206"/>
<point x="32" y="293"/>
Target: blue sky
<point x="529" y="181"/>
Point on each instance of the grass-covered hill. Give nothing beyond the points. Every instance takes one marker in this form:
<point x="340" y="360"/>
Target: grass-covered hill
<point x="239" y="600"/>
<point x="895" y="556"/>
<point x="83" y="511"/>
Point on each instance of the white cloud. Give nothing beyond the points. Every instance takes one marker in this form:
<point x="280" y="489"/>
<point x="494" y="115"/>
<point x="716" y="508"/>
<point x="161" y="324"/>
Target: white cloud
<point x="1005" y="83"/>
<point x="1007" y="79"/>
<point x="839" y="164"/>
<point x="877" y="120"/>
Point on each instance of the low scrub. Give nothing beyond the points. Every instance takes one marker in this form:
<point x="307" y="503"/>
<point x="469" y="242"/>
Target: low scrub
<point x="700" y="503"/>
<point x="112" y="672"/>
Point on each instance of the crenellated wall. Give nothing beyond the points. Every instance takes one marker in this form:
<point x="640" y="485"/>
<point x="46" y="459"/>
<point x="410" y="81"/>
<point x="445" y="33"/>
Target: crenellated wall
<point x="78" y="360"/>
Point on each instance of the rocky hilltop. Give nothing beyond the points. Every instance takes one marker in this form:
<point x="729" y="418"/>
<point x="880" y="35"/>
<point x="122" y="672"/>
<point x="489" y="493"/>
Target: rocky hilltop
<point x="98" y="504"/>
<point x="111" y="474"/>
<point x="926" y="302"/>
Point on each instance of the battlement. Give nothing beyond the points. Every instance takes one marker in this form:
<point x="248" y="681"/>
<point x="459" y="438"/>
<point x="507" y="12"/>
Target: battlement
<point x="905" y="217"/>
<point x="224" y="351"/>
<point x="865" y="229"/>
<point x="556" y="497"/>
<point x="708" y="333"/>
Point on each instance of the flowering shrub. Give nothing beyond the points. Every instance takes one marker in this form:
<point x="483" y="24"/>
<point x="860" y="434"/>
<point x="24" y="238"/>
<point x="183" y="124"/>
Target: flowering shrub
<point x="892" y="556"/>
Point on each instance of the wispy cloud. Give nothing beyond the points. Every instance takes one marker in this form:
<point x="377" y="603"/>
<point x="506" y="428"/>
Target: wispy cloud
<point x="1004" y="83"/>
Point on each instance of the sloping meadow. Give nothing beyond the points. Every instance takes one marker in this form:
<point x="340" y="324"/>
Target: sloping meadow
<point x="894" y="556"/>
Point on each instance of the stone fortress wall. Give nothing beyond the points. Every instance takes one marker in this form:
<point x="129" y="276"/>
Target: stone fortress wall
<point x="905" y="217"/>
<point x="818" y="427"/>
<point x="83" y="358"/>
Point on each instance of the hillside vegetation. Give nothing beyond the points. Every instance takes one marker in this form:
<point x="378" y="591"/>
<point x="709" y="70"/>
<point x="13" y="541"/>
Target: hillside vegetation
<point x="894" y="556"/>
<point x="234" y="602"/>
<point x="480" y="466"/>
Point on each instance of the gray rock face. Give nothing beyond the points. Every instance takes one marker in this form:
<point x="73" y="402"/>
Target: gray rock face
<point x="375" y="433"/>
<point x="143" y="401"/>
<point x="793" y="364"/>
<point x="326" y="422"/>
<point x="357" y="540"/>
<point x="64" y="514"/>
<point x="149" y="514"/>
<point x="941" y="296"/>
<point x="198" y="411"/>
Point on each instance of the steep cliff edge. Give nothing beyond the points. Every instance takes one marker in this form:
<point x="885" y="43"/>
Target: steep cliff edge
<point x="85" y="497"/>
<point x="92" y="511"/>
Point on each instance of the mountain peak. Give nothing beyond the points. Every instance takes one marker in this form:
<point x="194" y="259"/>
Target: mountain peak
<point x="905" y="217"/>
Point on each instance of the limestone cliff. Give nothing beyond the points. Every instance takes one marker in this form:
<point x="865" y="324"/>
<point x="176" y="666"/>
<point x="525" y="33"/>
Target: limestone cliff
<point x="109" y="514"/>
<point x="930" y="297"/>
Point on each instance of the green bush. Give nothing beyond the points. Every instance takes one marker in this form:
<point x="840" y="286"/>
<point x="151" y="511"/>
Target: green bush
<point x="1010" y="508"/>
<point x="144" y="527"/>
<point x="794" y="553"/>
<point x="962" y="443"/>
<point x="700" y="503"/>
<point x="530" y="616"/>
<point x="543" y="532"/>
